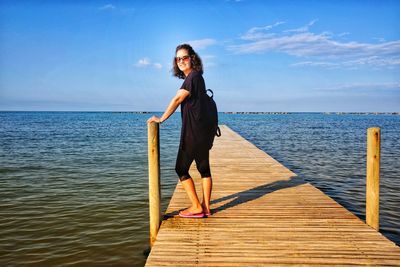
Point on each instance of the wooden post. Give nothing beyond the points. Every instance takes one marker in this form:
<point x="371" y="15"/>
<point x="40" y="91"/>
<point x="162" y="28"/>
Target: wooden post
<point x="373" y="162"/>
<point x="154" y="180"/>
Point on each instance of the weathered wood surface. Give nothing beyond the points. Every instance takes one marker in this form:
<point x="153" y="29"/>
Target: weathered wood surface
<point x="264" y="215"/>
<point x="373" y="173"/>
<point x="153" y="138"/>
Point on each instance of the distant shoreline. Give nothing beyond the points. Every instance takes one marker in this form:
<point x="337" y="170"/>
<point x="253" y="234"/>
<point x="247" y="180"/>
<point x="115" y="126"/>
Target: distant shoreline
<point x="223" y="112"/>
<point x="326" y="113"/>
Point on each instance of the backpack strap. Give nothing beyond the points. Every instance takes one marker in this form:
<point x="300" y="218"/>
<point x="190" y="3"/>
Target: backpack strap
<point x="218" y="132"/>
<point x="212" y="93"/>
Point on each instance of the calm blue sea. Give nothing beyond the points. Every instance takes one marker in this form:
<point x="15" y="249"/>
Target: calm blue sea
<point x="73" y="185"/>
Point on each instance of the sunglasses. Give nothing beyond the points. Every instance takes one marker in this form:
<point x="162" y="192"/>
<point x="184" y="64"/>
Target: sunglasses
<point x="184" y="58"/>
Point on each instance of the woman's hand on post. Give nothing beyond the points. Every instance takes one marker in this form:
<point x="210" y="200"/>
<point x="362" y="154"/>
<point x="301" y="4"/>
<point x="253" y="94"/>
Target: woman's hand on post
<point x="154" y="119"/>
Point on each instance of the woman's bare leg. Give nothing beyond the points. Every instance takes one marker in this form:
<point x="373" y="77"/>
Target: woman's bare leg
<point x="196" y="207"/>
<point x="207" y="188"/>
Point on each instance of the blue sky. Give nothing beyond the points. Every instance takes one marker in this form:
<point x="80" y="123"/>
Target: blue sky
<point x="258" y="55"/>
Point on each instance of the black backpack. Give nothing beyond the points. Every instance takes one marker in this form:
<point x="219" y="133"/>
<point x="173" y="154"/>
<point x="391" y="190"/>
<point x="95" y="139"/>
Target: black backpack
<point x="213" y="112"/>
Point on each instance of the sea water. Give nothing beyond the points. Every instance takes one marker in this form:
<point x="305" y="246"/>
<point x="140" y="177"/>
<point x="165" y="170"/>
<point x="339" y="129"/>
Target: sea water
<point x="74" y="185"/>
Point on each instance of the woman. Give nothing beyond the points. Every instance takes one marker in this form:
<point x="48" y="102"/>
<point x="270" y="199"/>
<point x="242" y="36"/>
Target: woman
<point x="197" y="132"/>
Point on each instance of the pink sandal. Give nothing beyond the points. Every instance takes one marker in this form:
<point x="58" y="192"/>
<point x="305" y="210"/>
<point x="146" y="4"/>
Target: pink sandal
<point x="191" y="215"/>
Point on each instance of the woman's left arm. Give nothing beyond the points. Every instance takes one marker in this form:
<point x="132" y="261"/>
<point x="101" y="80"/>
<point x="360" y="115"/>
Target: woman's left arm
<point x="173" y="105"/>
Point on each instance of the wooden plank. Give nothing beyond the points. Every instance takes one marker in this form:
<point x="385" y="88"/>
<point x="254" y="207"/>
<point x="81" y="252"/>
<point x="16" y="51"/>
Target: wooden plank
<point x="263" y="214"/>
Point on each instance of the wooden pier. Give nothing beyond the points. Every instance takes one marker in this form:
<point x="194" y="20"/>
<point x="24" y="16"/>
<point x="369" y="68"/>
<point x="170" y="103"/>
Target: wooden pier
<point x="264" y="215"/>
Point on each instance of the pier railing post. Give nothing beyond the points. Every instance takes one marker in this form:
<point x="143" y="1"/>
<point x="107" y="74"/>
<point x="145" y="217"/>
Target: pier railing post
<point x="373" y="166"/>
<point x="154" y="180"/>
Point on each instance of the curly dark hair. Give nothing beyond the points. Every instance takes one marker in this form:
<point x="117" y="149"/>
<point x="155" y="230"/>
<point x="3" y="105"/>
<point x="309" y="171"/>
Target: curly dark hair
<point x="195" y="60"/>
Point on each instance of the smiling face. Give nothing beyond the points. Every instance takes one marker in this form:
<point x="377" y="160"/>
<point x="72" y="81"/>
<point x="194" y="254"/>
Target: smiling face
<point x="183" y="61"/>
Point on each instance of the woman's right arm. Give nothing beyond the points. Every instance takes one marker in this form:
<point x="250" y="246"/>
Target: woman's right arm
<point x="173" y="105"/>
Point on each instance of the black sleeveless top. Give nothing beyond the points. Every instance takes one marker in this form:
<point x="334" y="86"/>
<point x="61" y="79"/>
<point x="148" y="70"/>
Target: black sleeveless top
<point x="196" y="133"/>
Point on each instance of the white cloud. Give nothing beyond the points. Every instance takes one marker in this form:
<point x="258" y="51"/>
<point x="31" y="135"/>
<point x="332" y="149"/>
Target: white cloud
<point x="343" y="34"/>
<point x="315" y="64"/>
<point x="363" y="87"/>
<point x="299" y="44"/>
<point x="146" y="62"/>
<point x="121" y="10"/>
<point x="265" y="28"/>
<point x="372" y="61"/>
<point x="157" y="65"/>
<point x="380" y="39"/>
<point x="304" y="28"/>
<point x="107" y="7"/>
<point x="202" y="43"/>
<point x="259" y="32"/>
<point x="208" y="61"/>
<point x="320" y="49"/>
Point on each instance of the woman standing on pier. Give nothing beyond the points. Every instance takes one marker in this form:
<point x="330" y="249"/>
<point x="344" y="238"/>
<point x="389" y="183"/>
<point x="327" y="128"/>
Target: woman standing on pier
<point x="197" y="134"/>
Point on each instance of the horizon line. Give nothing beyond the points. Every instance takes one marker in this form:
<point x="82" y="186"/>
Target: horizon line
<point x="225" y="112"/>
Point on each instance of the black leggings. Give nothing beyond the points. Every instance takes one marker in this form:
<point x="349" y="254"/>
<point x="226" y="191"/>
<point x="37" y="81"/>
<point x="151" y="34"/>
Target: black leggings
<point x="184" y="160"/>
